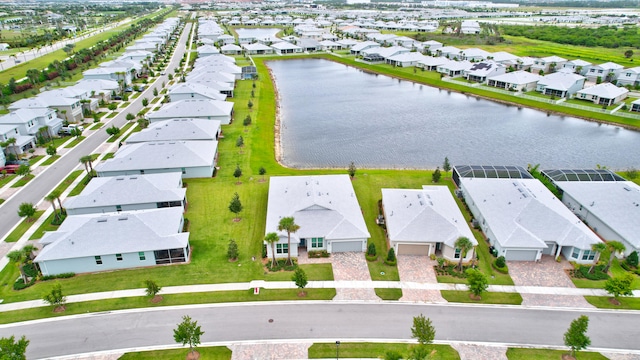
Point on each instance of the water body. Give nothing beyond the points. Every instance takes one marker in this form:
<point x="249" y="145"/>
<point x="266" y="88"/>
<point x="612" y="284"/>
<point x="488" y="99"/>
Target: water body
<point x="332" y="114"/>
<point x="257" y="33"/>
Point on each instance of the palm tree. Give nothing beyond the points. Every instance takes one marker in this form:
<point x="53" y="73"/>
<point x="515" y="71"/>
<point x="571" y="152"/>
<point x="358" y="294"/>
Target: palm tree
<point x="12" y="142"/>
<point x="598" y="248"/>
<point x="86" y="161"/>
<point x="52" y="199"/>
<point x="57" y="193"/>
<point x="289" y="225"/>
<point x="464" y="245"/>
<point x="272" y="238"/>
<point x="18" y="257"/>
<point x="45" y="130"/>
<point x="614" y="247"/>
<point x="28" y="251"/>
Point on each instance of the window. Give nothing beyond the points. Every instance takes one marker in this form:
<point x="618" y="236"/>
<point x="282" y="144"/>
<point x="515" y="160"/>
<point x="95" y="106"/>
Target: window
<point x="98" y="260"/>
<point x="119" y="257"/>
<point x="142" y="256"/>
<point x="317" y="242"/>
<point x="575" y="253"/>
<point x="282" y="248"/>
<point x="184" y="171"/>
<point x="457" y="254"/>
<point x="588" y="255"/>
<point x="118" y="208"/>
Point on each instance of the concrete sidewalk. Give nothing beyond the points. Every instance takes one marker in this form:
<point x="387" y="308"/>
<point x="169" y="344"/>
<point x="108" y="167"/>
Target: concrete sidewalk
<point x="312" y="285"/>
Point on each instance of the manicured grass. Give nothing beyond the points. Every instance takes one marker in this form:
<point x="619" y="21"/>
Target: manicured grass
<point x="389" y="294"/>
<point x="168" y="300"/>
<point x="546" y="354"/>
<point x="96" y="126"/>
<point x="56" y="141"/>
<point x="50" y="160"/>
<point x="6" y="179"/>
<point x="23" y="181"/>
<point x="602" y="302"/>
<point x="314" y="272"/>
<point x="45" y="226"/>
<point x="213" y="353"/>
<point x="122" y="131"/>
<point x="68" y="181"/>
<point x="112" y="114"/>
<point x="108" y="156"/>
<point x="487" y="297"/>
<point x="75" y="142"/>
<point x="124" y="104"/>
<point x="596" y="107"/>
<point x="24" y="225"/>
<point x="78" y="189"/>
<point x="2" y="201"/>
<point x="376" y="350"/>
<point x="35" y="159"/>
<point x="615" y="270"/>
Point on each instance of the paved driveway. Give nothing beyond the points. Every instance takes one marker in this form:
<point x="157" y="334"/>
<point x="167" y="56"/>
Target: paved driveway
<point x="476" y="352"/>
<point x="270" y="351"/>
<point x="352" y="266"/>
<point x="549" y="273"/>
<point x="418" y="269"/>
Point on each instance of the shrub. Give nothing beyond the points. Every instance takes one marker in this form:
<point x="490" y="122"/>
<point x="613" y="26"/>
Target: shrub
<point x="500" y="262"/>
<point x="371" y="249"/>
<point x="112" y="106"/>
<point x="318" y="254"/>
<point x="500" y="269"/>
<point x="433" y="257"/>
<point x="59" y="276"/>
<point x="391" y="255"/>
<point x="19" y="284"/>
<point x="632" y="259"/>
<point x="30" y="270"/>
<point x="597" y="274"/>
<point x="232" y="251"/>
<point x="281" y="264"/>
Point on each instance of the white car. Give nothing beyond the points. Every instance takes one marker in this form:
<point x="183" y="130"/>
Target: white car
<point x="163" y="72"/>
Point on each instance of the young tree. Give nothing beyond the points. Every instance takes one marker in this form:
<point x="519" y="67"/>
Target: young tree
<point x="152" y="288"/>
<point x="10" y="349"/>
<point x="240" y="141"/>
<point x="300" y="279"/>
<point x="262" y="171"/>
<point x="155" y="91"/>
<point x="75" y="132"/>
<point x="27" y="210"/>
<point x="477" y="282"/>
<point x="235" y="206"/>
<point x="464" y="245"/>
<point x="446" y="166"/>
<point x="614" y="247"/>
<point x="619" y="286"/>
<point x="55" y="298"/>
<point x="576" y="336"/>
<point x="232" y="251"/>
<point x="18" y="257"/>
<point x="130" y="116"/>
<point x="272" y="238"/>
<point x="289" y="225"/>
<point x="352" y="170"/>
<point x="51" y="150"/>
<point x="23" y="170"/>
<point x="52" y="199"/>
<point x="435" y="177"/>
<point x="113" y="131"/>
<point x="247" y="120"/>
<point x="188" y="332"/>
<point x="250" y="105"/>
<point x="423" y="330"/>
<point x="391" y="255"/>
<point x="237" y="173"/>
<point x="145" y="101"/>
<point x="628" y="54"/>
<point x="598" y="248"/>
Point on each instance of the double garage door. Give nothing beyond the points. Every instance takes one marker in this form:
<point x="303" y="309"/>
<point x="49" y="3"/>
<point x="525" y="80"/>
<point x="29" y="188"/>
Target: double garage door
<point x="346" y="246"/>
<point x="411" y="249"/>
<point x="521" y="255"/>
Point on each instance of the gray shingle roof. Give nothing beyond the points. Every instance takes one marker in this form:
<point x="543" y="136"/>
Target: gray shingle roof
<point x="176" y="130"/>
<point x="193" y="109"/>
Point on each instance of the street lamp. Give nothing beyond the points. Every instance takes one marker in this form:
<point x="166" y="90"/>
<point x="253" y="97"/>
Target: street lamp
<point x="337" y="350"/>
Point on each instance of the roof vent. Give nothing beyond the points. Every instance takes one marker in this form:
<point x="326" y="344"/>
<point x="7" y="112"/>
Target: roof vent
<point x="102" y="220"/>
<point x="123" y="218"/>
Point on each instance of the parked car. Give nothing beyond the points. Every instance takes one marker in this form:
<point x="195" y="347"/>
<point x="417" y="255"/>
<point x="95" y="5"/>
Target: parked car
<point x="163" y="72"/>
<point x="10" y="169"/>
<point x="17" y="162"/>
<point x="128" y="89"/>
<point x="117" y="98"/>
<point x="141" y="88"/>
<point x="66" y="130"/>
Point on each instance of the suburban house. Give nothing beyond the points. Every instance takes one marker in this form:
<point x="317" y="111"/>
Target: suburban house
<point x="69" y="108"/>
<point x="431" y="63"/>
<point x="102" y="242"/>
<point x="385" y="52"/>
<point x="424" y="222"/>
<point x="523" y="220"/>
<point x="195" y="109"/>
<point x="326" y="209"/>
<point x="29" y="121"/>
<point x="561" y="84"/>
<point x="222" y="87"/>
<point x="192" y="159"/>
<point x="609" y="204"/>
<point x="635" y="106"/>
<point x="98" y="88"/>
<point x="505" y="58"/>
<point x="449" y="52"/>
<point x="178" y="130"/>
<point x="221" y="66"/>
<point x="405" y="59"/>
<point x="629" y="77"/>
<point x="328" y="45"/>
<point x="605" y="72"/>
<point x="547" y="64"/>
<point x="212" y="75"/>
<point x="284" y="47"/>
<point x="454" y="68"/>
<point x="115" y="74"/>
<point x="219" y="58"/>
<point x="309" y="45"/>
<point x="191" y="90"/>
<point x="362" y="46"/>
<point x="431" y="45"/>
<point x="125" y="193"/>
<point x="474" y="54"/>
<point x="578" y="66"/>
<point x="479" y="72"/>
<point x="231" y="49"/>
<point x="347" y="43"/>
<point x="137" y="55"/>
<point x="225" y="39"/>
<point x="470" y="27"/>
<point x="257" y="49"/>
<point x="23" y="142"/>
<point x="603" y="94"/>
<point x="207" y="50"/>
<point x="515" y="81"/>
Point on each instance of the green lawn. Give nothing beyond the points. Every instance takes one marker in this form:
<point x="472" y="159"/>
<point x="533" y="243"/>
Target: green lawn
<point x="75" y="142"/>
<point x="546" y="354"/>
<point x="602" y="302"/>
<point x="50" y="160"/>
<point x="35" y="159"/>
<point x="112" y="114"/>
<point x="122" y="131"/>
<point x="487" y="297"/>
<point x="81" y="185"/>
<point x="23" y="181"/>
<point x="389" y="294"/>
<point x="615" y="270"/>
<point x="96" y="126"/>
<point x="24" y="225"/>
<point x="376" y="350"/>
<point x="168" y="300"/>
<point x="108" y="156"/>
<point x="68" y="180"/>
<point x="45" y="226"/>
<point x="6" y="179"/>
<point x="206" y="353"/>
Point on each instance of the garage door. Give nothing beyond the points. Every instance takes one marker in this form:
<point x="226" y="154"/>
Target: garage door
<point x="551" y="246"/>
<point x="344" y="246"/>
<point x="521" y="255"/>
<point x="407" y="249"/>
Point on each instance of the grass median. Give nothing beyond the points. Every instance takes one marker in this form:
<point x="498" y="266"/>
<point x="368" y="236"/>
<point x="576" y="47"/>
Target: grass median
<point x="376" y="350"/>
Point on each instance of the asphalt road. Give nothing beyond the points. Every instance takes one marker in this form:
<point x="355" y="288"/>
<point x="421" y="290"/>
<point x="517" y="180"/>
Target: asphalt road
<point x="320" y="320"/>
<point x="39" y="187"/>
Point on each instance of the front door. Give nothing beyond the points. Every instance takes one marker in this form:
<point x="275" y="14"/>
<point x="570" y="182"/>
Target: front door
<point x="303" y="243"/>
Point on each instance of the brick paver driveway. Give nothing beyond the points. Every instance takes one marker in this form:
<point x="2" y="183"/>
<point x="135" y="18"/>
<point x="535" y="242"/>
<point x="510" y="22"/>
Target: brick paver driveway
<point x="270" y="351"/>
<point x="418" y="269"/>
<point x="547" y="272"/>
<point x="352" y="266"/>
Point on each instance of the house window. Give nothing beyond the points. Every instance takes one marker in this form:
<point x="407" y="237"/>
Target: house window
<point x="575" y="253"/>
<point x="457" y="254"/>
<point x="282" y="248"/>
<point x="98" y="260"/>
<point x="588" y="255"/>
<point x="184" y="171"/>
<point x="142" y="256"/>
<point x="119" y="257"/>
<point x="118" y="208"/>
<point x="317" y="242"/>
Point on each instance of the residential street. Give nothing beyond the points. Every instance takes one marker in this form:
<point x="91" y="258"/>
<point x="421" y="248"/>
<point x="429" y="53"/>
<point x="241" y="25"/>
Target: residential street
<point x="39" y="187"/>
<point x="320" y="320"/>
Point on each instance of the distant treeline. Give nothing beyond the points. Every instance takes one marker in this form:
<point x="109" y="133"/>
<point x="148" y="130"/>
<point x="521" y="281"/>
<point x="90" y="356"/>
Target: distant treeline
<point x="605" y="36"/>
<point x="576" y="4"/>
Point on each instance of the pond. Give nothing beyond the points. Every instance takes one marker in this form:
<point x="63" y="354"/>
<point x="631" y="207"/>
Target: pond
<point x="257" y="33"/>
<point x="332" y="114"/>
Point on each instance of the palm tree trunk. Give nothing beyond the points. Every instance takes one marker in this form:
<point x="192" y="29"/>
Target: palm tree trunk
<point x="55" y="212"/>
<point x="22" y="273"/>
<point x="289" y="248"/>
<point x="613" y="254"/>
<point x="61" y="208"/>
<point x="273" y="254"/>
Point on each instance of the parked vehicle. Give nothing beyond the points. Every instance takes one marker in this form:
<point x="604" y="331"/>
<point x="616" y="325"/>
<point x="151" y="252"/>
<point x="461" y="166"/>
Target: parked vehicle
<point x="66" y="130"/>
<point x="10" y="169"/>
<point x="141" y="88"/>
<point x="17" y="162"/>
<point x="128" y="89"/>
<point x="117" y="97"/>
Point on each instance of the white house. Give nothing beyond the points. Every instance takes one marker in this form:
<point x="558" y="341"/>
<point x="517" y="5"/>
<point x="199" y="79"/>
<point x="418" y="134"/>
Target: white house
<point x="454" y="68"/>
<point x="207" y="50"/>
<point x="561" y="84"/>
<point x="29" y="121"/>
<point x="629" y="77"/>
<point x="431" y="63"/>
<point x="424" y="222"/>
<point x="102" y="242"/>
<point x="515" y="81"/>
<point x="231" y="49"/>
<point x="479" y="72"/>
<point x="603" y="94"/>
<point x="547" y="64"/>
<point x="405" y="59"/>
<point x="605" y="72"/>
<point x="578" y="66"/>
<point x="474" y="54"/>
<point x="257" y="49"/>
<point x="195" y="109"/>
<point x="178" y="130"/>
<point x="362" y="46"/>
<point x="69" y="108"/>
<point x="635" y="106"/>
<point x="523" y="220"/>
<point x="326" y="209"/>
<point x="115" y="74"/>
<point x="191" y="90"/>
<point x="23" y="142"/>
<point x="284" y="47"/>
<point x="126" y="193"/>
<point x="193" y="159"/>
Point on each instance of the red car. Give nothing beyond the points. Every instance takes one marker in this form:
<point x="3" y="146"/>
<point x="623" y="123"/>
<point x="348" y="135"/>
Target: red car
<point x="10" y="169"/>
